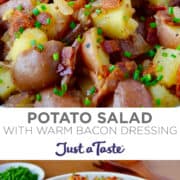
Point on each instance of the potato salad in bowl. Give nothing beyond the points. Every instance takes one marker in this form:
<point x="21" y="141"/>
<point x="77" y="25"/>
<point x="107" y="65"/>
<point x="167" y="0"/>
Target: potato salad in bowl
<point x="90" y="53"/>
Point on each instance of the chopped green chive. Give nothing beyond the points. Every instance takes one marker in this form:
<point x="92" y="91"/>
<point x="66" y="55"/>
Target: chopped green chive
<point x="127" y="54"/>
<point x="146" y="78"/>
<point x="19" y="7"/>
<point x="176" y="20"/>
<point x="79" y="39"/>
<point x="1" y="81"/>
<point x="48" y="21"/>
<point x="159" y="68"/>
<point x="61" y="92"/>
<point x="165" y="54"/>
<point x="56" y="91"/>
<point x="56" y="56"/>
<point x="21" y="30"/>
<point x="112" y="68"/>
<point x="88" y="6"/>
<point x="99" y="31"/>
<point x="35" y="12"/>
<point x="33" y="42"/>
<point x="91" y="91"/>
<point x="173" y="56"/>
<point x="157" y="46"/>
<point x="158" y="102"/>
<point x="98" y="11"/>
<point x="72" y="25"/>
<point x="178" y="47"/>
<point x="38" y="97"/>
<point x="160" y="77"/>
<point x="64" y="87"/>
<point x="136" y="74"/>
<point x="153" y="25"/>
<point x="17" y="35"/>
<point x="151" y="53"/>
<point x="37" y="24"/>
<point x="87" y="101"/>
<point x="86" y="13"/>
<point x="40" y="47"/>
<point x="99" y="40"/>
<point x="71" y="3"/>
<point x="43" y="7"/>
<point x="171" y="10"/>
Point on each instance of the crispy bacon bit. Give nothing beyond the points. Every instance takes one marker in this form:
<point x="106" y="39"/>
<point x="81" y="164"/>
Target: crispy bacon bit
<point x="127" y="67"/>
<point x="77" y="177"/>
<point x="42" y="18"/>
<point x="107" y="4"/>
<point x="111" y="46"/>
<point x="68" y="62"/>
<point x="78" y="4"/>
<point x="151" y="36"/>
<point x="20" y="20"/>
<point x="151" y="69"/>
<point x="178" y="83"/>
<point x="67" y="66"/>
<point x="44" y="1"/>
<point x="122" y="71"/>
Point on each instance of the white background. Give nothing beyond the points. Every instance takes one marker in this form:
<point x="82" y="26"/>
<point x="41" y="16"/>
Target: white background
<point x="43" y="147"/>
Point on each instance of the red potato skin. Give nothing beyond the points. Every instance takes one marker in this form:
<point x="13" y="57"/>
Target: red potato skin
<point x="167" y="37"/>
<point x="131" y="93"/>
<point x="49" y="99"/>
<point x="36" y="70"/>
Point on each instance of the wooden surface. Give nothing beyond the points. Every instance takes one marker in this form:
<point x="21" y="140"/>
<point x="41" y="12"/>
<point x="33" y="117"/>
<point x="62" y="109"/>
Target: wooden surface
<point x="168" y="170"/>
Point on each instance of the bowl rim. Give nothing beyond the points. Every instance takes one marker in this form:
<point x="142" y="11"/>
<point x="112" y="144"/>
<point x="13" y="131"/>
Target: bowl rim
<point x="96" y="173"/>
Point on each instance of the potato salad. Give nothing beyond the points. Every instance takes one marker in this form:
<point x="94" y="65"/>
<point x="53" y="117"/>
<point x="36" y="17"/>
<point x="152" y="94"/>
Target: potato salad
<point x="90" y="53"/>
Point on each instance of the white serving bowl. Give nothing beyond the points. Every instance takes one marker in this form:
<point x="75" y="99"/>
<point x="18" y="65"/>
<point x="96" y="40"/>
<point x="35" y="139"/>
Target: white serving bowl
<point x="92" y="175"/>
<point x="32" y="167"/>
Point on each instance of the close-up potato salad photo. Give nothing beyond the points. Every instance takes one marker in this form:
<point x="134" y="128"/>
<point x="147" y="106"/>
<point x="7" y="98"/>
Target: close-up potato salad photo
<point x="89" y="53"/>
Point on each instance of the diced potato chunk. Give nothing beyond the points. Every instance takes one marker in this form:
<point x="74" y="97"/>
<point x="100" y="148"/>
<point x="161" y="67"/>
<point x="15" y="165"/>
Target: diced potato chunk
<point x="159" y="2"/>
<point x="162" y="97"/>
<point x="93" y="54"/>
<point x="169" y="61"/>
<point x="58" y="22"/>
<point x="6" y="83"/>
<point x="25" y="42"/>
<point x="117" y="22"/>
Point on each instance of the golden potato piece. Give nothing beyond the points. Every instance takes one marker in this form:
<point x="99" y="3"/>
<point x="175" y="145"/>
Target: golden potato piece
<point x="25" y="42"/>
<point x="93" y="55"/>
<point x="117" y="22"/>
<point x="58" y="22"/>
<point x="162" y="97"/>
<point x="6" y="84"/>
<point x="168" y="60"/>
